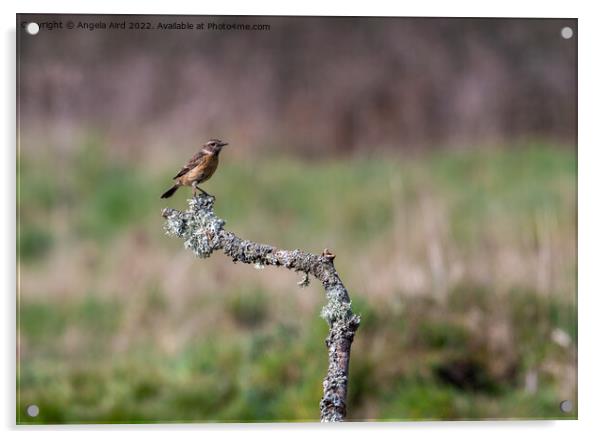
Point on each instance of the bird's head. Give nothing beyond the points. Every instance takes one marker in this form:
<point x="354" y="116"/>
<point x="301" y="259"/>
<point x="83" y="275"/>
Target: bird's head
<point x="214" y="146"/>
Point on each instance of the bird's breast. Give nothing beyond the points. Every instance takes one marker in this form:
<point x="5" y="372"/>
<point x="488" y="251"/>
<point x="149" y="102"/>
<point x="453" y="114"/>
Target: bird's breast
<point x="203" y="171"/>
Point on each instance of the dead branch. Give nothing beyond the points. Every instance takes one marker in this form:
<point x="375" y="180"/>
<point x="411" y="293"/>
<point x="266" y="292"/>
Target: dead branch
<point x="203" y="233"/>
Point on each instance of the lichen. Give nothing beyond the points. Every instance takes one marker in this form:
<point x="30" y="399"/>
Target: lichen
<point x="338" y="306"/>
<point x="304" y="282"/>
<point x="198" y="226"/>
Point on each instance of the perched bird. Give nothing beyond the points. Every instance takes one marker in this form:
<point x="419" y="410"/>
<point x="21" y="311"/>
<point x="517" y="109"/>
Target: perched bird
<point x="199" y="169"/>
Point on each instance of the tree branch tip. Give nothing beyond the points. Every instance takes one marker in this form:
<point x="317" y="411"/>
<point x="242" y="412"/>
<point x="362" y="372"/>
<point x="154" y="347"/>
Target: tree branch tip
<point x="326" y="253"/>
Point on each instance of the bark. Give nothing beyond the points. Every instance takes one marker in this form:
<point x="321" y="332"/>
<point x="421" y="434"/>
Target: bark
<point x="203" y="233"/>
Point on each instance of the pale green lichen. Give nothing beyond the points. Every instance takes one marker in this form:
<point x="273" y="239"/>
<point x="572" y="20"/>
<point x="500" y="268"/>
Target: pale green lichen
<point x="198" y="226"/>
<point x="338" y="306"/>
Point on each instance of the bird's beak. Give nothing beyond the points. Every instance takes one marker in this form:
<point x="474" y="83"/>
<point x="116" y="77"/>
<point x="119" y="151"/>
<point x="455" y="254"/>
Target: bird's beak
<point x="223" y="144"/>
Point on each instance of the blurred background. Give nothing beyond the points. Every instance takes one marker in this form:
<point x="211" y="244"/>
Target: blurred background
<point x="435" y="157"/>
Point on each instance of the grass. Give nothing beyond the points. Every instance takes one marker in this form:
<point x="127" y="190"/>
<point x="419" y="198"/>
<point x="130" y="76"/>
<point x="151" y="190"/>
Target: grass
<point x="462" y="265"/>
<point x="275" y="373"/>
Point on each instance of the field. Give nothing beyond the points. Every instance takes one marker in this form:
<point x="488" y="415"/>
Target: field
<point x="462" y="265"/>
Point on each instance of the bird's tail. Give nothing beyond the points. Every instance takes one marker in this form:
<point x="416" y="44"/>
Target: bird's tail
<point x="170" y="191"/>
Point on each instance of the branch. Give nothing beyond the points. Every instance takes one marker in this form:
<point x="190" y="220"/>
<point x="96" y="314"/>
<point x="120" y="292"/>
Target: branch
<point x="203" y="233"/>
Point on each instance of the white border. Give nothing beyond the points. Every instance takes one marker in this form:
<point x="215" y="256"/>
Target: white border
<point x="590" y="217"/>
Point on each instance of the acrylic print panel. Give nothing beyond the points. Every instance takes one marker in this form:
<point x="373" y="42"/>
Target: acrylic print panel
<point x="405" y="187"/>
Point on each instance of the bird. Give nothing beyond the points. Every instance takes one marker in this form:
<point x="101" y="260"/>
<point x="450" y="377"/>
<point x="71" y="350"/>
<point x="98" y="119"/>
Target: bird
<point x="199" y="168"/>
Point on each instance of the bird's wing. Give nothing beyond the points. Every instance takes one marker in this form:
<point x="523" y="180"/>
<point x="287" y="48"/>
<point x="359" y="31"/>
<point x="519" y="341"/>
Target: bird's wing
<point x="194" y="161"/>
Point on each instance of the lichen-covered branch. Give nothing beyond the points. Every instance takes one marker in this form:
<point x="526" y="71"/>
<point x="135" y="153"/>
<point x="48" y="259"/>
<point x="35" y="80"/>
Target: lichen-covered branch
<point x="203" y="233"/>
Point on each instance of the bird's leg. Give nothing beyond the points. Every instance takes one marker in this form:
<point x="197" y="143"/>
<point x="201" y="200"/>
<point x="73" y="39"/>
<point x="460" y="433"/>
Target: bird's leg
<point x="194" y="188"/>
<point x="203" y="191"/>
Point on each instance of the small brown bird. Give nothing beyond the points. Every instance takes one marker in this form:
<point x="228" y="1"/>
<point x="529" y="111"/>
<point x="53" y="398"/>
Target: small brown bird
<point x="199" y="169"/>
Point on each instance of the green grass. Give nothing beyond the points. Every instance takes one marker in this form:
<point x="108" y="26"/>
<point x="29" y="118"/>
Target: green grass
<point x="124" y="335"/>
